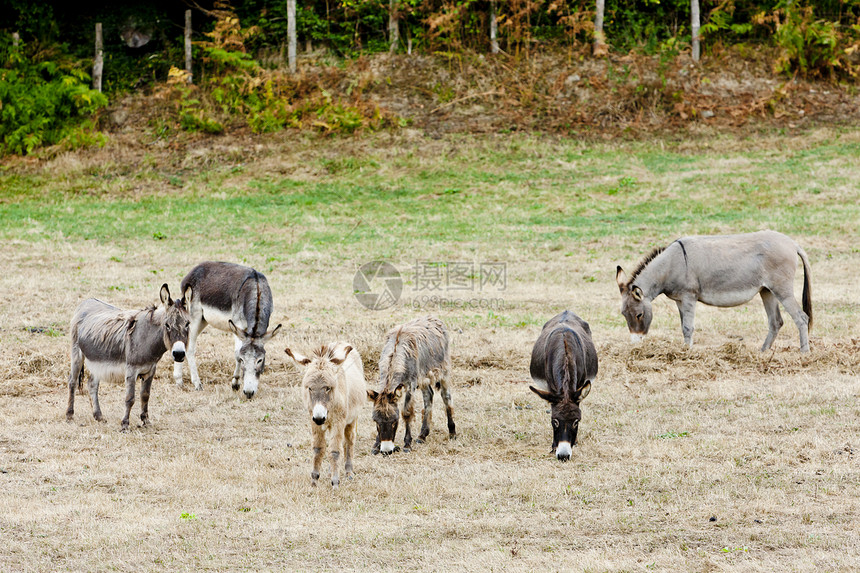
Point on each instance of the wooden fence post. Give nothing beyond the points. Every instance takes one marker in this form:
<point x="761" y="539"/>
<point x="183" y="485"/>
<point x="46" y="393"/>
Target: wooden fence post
<point x="694" y="11"/>
<point x="188" y="45"/>
<point x="291" y="34"/>
<point x="494" y="29"/>
<point x="99" y="62"/>
<point x="393" y="30"/>
<point x="599" y="37"/>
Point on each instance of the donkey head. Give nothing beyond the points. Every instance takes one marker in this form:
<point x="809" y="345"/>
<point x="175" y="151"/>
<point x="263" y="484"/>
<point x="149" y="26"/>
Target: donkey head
<point x="250" y="357"/>
<point x="386" y="414"/>
<point x="320" y="379"/>
<point x="635" y="307"/>
<point x="566" y="416"/>
<point x="176" y="321"/>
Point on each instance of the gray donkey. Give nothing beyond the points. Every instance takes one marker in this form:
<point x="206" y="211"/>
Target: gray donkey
<point x="236" y="299"/>
<point x="723" y="271"/>
<point x="124" y="344"/>
<point x="415" y="355"/>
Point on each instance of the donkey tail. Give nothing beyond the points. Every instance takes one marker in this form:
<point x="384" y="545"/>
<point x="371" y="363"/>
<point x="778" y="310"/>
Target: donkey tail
<point x="807" y="286"/>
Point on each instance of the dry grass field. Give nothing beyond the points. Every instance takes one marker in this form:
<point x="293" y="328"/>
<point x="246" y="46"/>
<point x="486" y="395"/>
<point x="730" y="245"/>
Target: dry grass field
<point x="715" y="458"/>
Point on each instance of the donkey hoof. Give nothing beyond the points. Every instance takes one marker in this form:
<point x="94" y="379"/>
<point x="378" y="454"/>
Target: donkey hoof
<point x="419" y="440"/>
<point x="406" y="449"/>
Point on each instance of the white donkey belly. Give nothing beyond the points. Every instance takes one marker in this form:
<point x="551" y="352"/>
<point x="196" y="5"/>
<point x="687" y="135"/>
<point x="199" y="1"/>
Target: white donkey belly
<point x="732" y="297"/>
<point x="106" y="371"/>
<point x="220" y="319"/>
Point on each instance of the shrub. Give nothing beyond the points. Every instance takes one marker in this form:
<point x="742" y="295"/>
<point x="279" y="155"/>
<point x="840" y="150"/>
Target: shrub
<point x="43" y="102"/>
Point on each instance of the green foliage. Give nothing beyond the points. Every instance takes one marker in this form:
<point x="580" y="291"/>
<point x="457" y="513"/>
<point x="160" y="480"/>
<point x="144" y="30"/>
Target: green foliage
<point x="807" y="45"/>
<point x="44" y="102"/>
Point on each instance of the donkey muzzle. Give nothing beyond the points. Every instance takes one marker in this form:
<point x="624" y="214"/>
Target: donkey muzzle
<point x="178" y="351"/>
<point x="320" y="414"/>
<point x="564" y="451"/>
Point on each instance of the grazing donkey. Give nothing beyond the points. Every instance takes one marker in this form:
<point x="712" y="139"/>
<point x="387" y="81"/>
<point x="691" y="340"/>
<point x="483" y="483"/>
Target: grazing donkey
<point x="564" y="362"/>
<point x="236" y="299"/>
<point x="415" y="355"/>
<point x="124" y="344"/>
<point x="334" y="391"/>
<point x="720" y="271"/>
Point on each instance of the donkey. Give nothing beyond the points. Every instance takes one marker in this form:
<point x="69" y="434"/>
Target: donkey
<point x="564" y="362"/>
<point x="236" y="299"/>
<point x="124" y="344"/>
<point x="334" y="389"/>
<point x="720" y="271"/>
<point x="415" y="355"/>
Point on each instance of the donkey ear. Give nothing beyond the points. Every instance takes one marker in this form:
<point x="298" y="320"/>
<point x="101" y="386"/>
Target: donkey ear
<point x="165" y="295"/>
<point x="268" y="336"/>
<point x="341" y="359"/>
<point x="544" y="394"/>
<point x="298" y="358"/>
<point x="637" y="294"/>
<point x="583" y="391"/>
<point x="186" y="296"/>
<point x="372" y="395"/>
<point x="237" y="332"/>
<point x="621" y="279"/>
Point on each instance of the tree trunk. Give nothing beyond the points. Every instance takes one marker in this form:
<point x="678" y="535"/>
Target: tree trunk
<point x="494" y="29"/>
<point x="188" y="45"/>
<point x="291" y="34"/>
<point x="393" y="30"/>
<point x="600" y="48"/>
<point x="99" y="62"/>
<point x="694" y="25"/>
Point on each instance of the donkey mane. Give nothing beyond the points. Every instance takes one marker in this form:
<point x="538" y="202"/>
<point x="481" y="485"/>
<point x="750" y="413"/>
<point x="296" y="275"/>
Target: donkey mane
<point x="257" y="310"/>
<point x="395" y="355"/>
<point x="645" y="262"/>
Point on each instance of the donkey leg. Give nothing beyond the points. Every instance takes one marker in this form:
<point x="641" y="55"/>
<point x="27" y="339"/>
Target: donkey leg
<point x="449" y="407"/>
<point x="75" y="375"/>
<point x="774" y="317"/>
<point x="427" y="417"/>
<point x="408" y="412"/>
<point x="237" y="374"/>
<point x="145" y="387"/>
<point x="687" y="309"/>
<point x="801" y="320"/>
<point x="349" y="434"/>
<point x="319" y="446"/>
<point x="93" y="388"/>
<point x="336" y="449"/>
<point x="130" y="378"/>
<point x="191" y="355"/>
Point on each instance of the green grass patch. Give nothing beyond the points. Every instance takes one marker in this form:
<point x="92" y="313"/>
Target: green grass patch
<point x="523" y="194"/>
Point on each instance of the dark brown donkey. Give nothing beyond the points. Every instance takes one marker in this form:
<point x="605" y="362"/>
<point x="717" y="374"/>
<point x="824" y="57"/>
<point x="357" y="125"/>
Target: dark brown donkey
<point x="236" y="299"/>
<point x="125" y="345"/>
<point x="415" y="355"/>
<point x="564" y="362"/>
